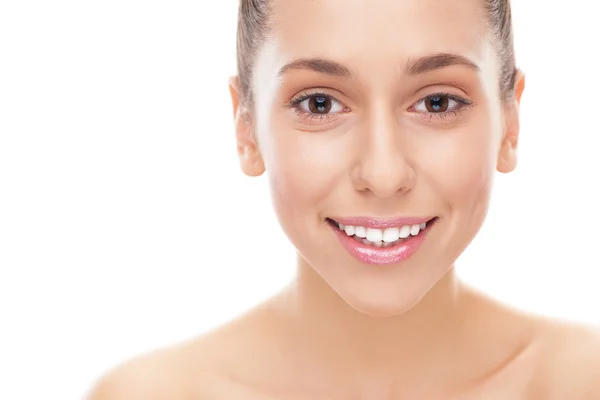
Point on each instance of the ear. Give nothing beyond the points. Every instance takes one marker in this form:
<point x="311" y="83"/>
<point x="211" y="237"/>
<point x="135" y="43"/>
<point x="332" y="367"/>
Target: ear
<point x="248" y="150"/>
<point x="507" y="156"/>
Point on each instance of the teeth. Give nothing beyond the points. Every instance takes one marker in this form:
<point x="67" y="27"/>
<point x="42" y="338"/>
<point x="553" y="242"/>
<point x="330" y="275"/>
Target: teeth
<point x="374" y="235"/>
<point x="382" y="237"/>
<point x="405" y="231"/>
<point x="349" y="230"/>
<point x="360" y="231"/>
<point x="414" y="230"/>
<point x="391" y="235"/>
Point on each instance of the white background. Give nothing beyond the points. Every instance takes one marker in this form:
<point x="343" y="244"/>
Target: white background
<point x="126" y="224"/>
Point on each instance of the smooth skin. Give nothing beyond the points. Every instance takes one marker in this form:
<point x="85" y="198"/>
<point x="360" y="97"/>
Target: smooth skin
<point x="344" y="329"/>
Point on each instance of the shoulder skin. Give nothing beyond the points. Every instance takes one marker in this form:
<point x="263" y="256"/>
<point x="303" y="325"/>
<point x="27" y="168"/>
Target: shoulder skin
<point x="570" y="365"/>
<point x="166" y="374"/>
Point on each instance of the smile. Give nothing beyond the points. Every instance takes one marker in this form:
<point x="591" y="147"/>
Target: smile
<point x="380" y="242"/>
<point x="381" y="237"/>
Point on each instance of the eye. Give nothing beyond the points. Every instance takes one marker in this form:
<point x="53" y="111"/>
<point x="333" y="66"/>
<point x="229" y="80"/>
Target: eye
<point x="441" y="106"/>
<point x="440" y="103"/>
<point x="316" y="108"/>
<point x="318" y="104"/>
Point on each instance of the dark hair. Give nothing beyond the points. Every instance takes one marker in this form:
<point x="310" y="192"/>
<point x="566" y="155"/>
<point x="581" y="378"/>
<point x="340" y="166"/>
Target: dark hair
<point x="254" y="25"/>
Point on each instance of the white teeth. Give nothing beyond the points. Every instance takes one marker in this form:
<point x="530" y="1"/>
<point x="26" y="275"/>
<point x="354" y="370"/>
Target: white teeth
<point x="382" y="237"/>
<point x="349" y="230"/>
<point x="374" y="235"/>
<point x="391" y="235"/>
<point x="360" y="231"/>
<point x="414" y="230"/>
<point x="405" y="231"/>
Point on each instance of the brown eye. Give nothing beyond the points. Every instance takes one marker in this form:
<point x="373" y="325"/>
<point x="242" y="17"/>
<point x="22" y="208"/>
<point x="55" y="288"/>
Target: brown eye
<point x="441" y="106"/>
<point x="437" y="104"/>
<point x="319" y="104"/>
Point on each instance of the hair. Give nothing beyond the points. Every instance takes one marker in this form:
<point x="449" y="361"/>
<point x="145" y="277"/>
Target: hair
<point x="254" y="24"/>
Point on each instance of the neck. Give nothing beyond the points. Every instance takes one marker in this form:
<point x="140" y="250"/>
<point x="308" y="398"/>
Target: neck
<point x="342" y="339"/>
<point x="454" y="334"/>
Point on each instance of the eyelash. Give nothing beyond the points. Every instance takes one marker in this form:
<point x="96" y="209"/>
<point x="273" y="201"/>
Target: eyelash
<point x="294" y="104"/>
<point x="463" y="105"/>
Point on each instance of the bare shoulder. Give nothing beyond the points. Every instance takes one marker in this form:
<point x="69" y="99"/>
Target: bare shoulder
<point x="195" y="369"/>
<point x="181" y="371"/>
<point x="569" y="362"/>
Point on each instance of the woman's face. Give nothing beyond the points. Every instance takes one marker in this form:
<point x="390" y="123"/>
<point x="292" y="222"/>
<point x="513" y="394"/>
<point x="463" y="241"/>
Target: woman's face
<point x="380" y="115"/>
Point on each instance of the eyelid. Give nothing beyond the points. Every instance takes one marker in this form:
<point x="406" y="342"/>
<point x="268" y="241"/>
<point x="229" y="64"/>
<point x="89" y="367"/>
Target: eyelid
<point x="311" y="118"/>
<point x="463" y="105"/>
<point x="458" y="99"/>
<point x="307" y="94"/>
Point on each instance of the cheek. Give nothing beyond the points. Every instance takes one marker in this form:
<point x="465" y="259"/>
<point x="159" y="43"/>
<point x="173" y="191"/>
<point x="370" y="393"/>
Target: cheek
<point x="468" y="175"/>
<point x="303" y="168"/>
<point x="461" y="163"/>
<point x="462" y="177"/>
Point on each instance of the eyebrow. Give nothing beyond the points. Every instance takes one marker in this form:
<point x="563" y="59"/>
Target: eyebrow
<point x="437" y="61"/>
<point x="413" y="66"/>
<point x="318" y="65"/>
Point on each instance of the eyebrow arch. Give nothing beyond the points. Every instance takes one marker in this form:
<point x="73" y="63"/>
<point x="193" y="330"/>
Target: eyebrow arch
<point x="318" y="65"/>
<point x="413" y="66"/>
<point x="437" y="61"/>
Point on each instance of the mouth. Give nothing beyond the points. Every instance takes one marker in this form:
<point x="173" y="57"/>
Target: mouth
<point x="378" y="237"/>
<point x="382" y="242"/>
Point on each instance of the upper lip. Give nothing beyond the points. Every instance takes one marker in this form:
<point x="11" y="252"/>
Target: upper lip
<point x="381" y="223"/>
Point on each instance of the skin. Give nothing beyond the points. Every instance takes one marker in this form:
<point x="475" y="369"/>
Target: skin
<point x="344" y="329"/>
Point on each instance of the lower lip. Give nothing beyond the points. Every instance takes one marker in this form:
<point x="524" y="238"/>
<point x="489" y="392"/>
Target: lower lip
<point x="383" y="255"/>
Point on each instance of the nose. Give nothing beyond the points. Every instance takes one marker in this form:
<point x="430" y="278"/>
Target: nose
<point x="382" y="166"/>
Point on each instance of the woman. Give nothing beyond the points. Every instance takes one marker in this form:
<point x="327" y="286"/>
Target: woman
<point x="380" y="125"/>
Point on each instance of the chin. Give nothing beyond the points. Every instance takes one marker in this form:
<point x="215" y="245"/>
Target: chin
<point x="383" y="303"/>
<point x="393" y="294"/>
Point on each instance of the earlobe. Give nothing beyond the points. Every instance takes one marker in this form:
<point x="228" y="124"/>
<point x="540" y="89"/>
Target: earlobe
<point x="507" y="156"/>
<point x="248" y="150"/>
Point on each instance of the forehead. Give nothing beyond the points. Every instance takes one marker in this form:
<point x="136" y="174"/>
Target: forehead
<point x="373" y="33"/>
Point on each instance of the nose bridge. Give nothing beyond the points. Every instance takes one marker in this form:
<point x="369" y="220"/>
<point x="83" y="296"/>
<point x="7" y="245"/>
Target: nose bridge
<point x="383" y="167"/>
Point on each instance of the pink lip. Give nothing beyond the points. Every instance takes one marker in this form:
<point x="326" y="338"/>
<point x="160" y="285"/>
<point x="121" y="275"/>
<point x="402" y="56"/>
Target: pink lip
<point x="384" y="255"/>
<point x="381" y="223"/>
